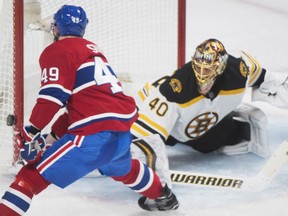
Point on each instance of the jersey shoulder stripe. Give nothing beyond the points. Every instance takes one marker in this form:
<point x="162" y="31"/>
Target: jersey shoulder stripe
<point x="55" y="93"/>
<point x="81" y="80"/>
<point x="102" y="117"/>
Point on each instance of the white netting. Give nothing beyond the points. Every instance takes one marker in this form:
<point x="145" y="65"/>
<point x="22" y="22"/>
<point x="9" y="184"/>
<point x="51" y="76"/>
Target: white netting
<point x="139" y="38"/>
<point x="6" y="83"/>
<point x="136" y="36"/>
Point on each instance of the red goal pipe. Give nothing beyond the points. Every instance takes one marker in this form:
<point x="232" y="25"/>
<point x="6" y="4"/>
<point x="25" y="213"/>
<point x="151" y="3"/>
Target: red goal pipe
<point x="18" y="62"/>
<point x="181" y="32"/>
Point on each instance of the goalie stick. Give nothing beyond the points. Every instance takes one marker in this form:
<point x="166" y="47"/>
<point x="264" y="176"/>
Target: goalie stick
<point x="257" y="183"/>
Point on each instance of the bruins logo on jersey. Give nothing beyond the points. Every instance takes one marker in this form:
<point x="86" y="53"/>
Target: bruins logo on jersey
<point x="201" y="124"/>
<point x="244" y="70"/>
<point x="176" y="85"/>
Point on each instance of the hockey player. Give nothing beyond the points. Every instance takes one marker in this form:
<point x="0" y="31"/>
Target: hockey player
<point x="200" y="105"/>
<point x="75" y="74"/>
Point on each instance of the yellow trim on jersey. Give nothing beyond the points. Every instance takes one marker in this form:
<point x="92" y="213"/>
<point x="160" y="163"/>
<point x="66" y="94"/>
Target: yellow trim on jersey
<point x="142" y="93"/>
<point x="153" y="125"/>
<point x="193" y="101"/>
<point x="147" y="89"/>
<point x="255" y="70"/>
<point x="222" y="92"/>
<point x="139" y="130"/>
<point x="232" y="92"/>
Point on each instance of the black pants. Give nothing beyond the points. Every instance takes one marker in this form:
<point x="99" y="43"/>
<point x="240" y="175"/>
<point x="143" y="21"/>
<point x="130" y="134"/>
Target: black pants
<point x="226" y="132"/>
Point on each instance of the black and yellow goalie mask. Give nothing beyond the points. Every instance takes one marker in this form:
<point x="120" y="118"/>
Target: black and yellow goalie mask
<point x="208" y="62"/>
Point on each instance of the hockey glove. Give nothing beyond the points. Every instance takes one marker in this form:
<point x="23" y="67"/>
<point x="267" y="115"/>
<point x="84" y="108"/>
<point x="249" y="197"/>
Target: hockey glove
<point x="31" y="147"/>
<point x="274" y="90"/>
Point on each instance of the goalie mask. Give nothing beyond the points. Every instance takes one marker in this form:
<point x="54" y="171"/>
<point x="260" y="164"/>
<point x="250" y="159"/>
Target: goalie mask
<point x="69" y="20"/>
<point x="208" y="62"/>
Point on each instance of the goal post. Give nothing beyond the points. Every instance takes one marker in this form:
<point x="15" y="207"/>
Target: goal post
<point x="181" y="32"/>
<point x="142" y="40"/>
<point x="18" y="71"/>
<point x="11" y="81"/>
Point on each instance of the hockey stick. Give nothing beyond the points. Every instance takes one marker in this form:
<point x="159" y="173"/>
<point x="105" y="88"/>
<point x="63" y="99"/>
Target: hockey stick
<point x="256" y="183"/>
<point x="206" y="180"/>
<point x="259" y="182"/>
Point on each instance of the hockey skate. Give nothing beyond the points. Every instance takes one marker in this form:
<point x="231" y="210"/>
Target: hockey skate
<point x="167" y="201"/>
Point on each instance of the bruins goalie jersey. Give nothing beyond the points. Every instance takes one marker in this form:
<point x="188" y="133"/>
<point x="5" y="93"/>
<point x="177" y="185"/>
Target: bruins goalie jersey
<point x="173" y="108"/>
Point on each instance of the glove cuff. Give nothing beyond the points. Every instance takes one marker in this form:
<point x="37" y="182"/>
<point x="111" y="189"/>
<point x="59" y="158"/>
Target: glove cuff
<point x="33" y="130"/>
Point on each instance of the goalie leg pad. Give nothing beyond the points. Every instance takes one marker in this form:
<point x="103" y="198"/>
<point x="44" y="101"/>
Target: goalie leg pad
<point x="151" y="151"/>
<point x="258" y="142"/>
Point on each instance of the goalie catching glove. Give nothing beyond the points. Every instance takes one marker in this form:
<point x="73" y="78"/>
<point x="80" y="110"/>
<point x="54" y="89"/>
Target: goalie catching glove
<point x="31" y="147"/>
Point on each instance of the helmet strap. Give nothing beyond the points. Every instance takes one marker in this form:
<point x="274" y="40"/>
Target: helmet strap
<point x="56" y="34"/>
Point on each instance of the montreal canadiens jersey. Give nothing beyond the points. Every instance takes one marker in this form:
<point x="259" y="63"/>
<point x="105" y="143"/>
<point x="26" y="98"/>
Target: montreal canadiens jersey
<point x="77" y="76"/>
<point x="172" y="105"/>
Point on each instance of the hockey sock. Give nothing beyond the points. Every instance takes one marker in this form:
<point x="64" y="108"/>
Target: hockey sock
<point x="142" y="179"/>
<point x="16" y="199"/>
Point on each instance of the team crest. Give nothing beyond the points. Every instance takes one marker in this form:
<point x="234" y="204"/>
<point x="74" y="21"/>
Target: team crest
<point x="244" y="70"/>
<point x="201" y="124"/>
<point x="176" y="85"/>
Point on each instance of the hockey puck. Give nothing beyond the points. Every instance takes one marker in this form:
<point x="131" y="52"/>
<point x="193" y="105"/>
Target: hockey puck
<point x="11" y="120"/>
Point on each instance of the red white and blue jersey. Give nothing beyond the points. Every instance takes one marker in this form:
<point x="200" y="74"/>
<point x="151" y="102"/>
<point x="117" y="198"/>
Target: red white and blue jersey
<point x="76" y="75"/>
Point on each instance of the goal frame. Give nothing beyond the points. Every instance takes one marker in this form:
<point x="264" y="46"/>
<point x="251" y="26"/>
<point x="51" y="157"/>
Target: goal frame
<point x="18" y="59"/>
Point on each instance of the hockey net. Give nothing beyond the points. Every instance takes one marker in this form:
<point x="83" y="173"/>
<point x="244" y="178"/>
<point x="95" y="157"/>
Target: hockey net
<point x="142" y="40"/>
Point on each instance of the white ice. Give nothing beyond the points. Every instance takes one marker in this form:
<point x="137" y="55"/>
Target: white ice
<point x="259" y="27"/>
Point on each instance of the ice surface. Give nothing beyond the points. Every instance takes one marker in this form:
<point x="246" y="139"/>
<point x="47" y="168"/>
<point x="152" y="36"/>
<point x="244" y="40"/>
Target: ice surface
<point x="259" y="27"/>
